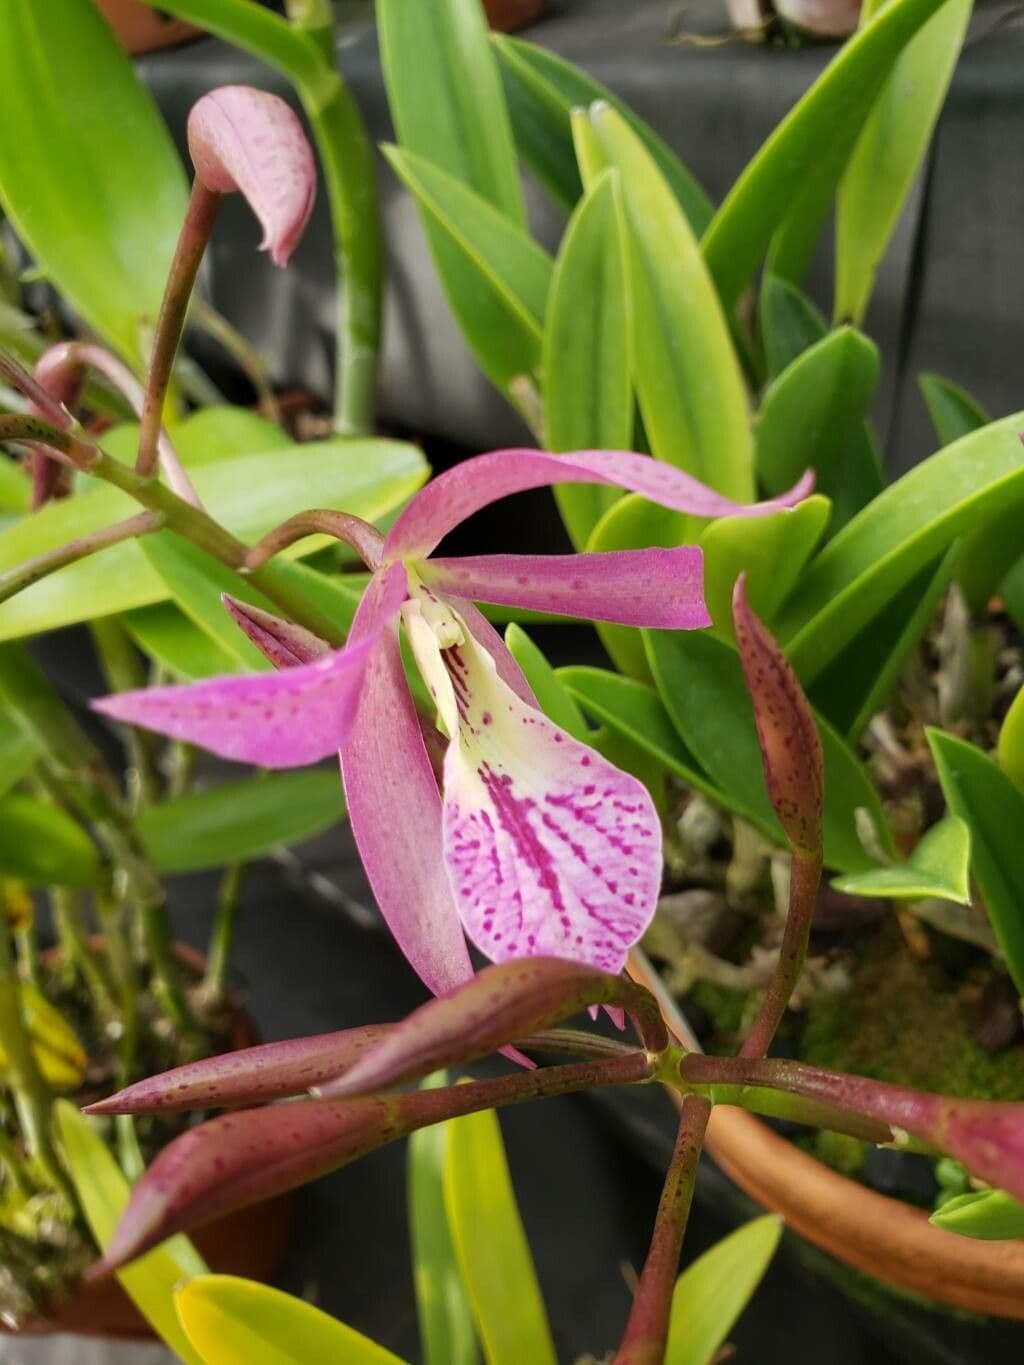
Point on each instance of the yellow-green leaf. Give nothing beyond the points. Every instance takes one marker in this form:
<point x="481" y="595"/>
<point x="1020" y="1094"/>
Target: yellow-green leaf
<point x="1011" y="741"/>
<point x="937" y="868"/>
<point x="231" y="1321"/>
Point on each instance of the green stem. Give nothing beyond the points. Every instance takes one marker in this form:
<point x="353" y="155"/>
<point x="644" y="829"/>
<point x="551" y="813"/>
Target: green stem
<point x="123" y="672"/>
<point x="195" y="233"/>
<point x="223" y="931"/>
<point x="73" y="934"/>
<point x="303" y="51"/>
<point x="646" y="1335"/>
<point x="32" y="1099"/>
<point x="115" y="939"/>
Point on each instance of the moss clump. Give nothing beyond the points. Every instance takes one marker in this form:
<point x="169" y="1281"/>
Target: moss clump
<point x="903" y="1021"/>
<point x="725" y="1009"/>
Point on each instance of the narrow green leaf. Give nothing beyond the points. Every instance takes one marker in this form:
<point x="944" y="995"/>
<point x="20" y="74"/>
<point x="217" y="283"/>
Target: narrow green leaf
<point x="167" y="636"/>
<point x="15" y="487"/>
<point x="239" y="820"/>
<point x="860" y="680"/>
<point x="88" y="172"/>
<point x="771" y="550"/>
<point x="789" y="323"/>
<point x="248" y="488"/>
<point x="889" y="152"/>
<point x="543" y="90"/>
<point x="953" y="411"/>
<point x="19" y="749"/>
<point x="445" y="1317"/>
<point x="799" y="165"/>
<point x="196" y="582"/>
<point x="496" y="277"/>
<point x="937" y="868"/>
<point x="493" y="1254"/>
<point x="979" y="792"/>
<point x="231" y="1321"/>
<point x="814" y="415"/>
<point x="555" y="701"/>
<point x="41" y="845"/>
<point x="908" y="525"/>
<point x="446" y="95"/>
<point x="701" y="683"/>
<point x="686" y="372"/>
<point x="1011" y="741"/>
<point x="990" y="1215"/>
<point x="636" y="712"/>
<point x="587" y="392"/>
<point x="103" y="1193"/>
<point x="711" y="1293"/>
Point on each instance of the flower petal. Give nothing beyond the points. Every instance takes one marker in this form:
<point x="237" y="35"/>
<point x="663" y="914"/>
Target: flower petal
<point x="459" y="492"/>
<point x="485" y="634"/>
<point x="658" y="588"/>
<point x="282" y="642"/>
<point x="248" y="140"/>
<point x="276" y="720"/>
<point x="395" y="812"/>
<point x="551" y="850"/>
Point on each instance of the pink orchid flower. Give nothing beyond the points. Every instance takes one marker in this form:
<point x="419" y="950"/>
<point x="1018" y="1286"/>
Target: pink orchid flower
<point x="538" y="845"/>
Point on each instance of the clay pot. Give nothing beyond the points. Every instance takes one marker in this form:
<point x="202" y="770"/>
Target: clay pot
<point x="142" y="29"/>
<point x="870" y="1232"/>
<point x="251" y="1242"/>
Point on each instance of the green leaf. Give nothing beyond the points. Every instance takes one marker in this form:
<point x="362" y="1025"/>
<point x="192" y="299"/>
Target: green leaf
<point x="712" y="1292"/>
<point x="907" y="526"/>
<point x="15" y="487"/>
<point x="88" y="172"/>
<point x="170" y="639"/>
<point x="248" y="489"/>
<point x="587" y="392"/>
<point x="859" y="681"/>
<point x="196" y="582"/>
<point x="231" y="1321"/>
<point x="701" y="683"/>
<point x="953" y="411"/>
<point x="495" y="275"/>
<point x="239" y="820"/>
<point x="493" y="1254"/>
<point x="937" y="868"/>
<point x="799" y="165"/>
<point x="771" y="550"/>
<point x="623" y="753"/>
<point x="889" y="152"/>
<point x="686" y="372"/>
<point x="636" y="712"/>
<point x="446" y="96"/>
<point x="543" y="89"/>
<point x="445" y="1318"/>
<point x="103" y="1194"/>
<point x="789" y="323"/>
<point x="979" y="792"/>
<point x="814" y="415"/>
<point x="19" y="749"/>
<point x="1011" y="741"/>
<point x="555" y="701"/>
<point x="991" y="1215"/>
<point x="41" y="845"/>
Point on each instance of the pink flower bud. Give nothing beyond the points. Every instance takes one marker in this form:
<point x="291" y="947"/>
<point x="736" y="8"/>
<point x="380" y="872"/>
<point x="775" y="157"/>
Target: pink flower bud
<point x="247" y="140"/>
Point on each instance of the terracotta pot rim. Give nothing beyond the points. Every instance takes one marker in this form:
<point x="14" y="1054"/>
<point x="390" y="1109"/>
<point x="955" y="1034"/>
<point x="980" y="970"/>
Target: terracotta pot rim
<point x="870" y="1232"/>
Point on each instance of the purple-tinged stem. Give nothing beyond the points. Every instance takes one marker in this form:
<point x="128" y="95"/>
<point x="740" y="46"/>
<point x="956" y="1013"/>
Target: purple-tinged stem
<point x="32" y="570"/>
<point x="244" y="1157"/>
<point x="50" y="409"/>
<point x="359" y="535"/>
<point x="646" y="1335"/>
<point x="804" y="879"/>
<point x="987" y="1136"/>
<point x="195" y="233"/>
<point x="60" y="444"/>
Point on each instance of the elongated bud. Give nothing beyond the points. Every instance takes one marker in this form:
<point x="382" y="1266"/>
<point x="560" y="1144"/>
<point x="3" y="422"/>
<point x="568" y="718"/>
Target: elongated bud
<point x="794" y="768"/>
<point x="62" y="381"/>
<point x="247" y="140"/>
<point x="986" y="1136"/>
<point x="498" y="1006"/>
<point x="282" y="642"/>
<point x="252" y="1075"/>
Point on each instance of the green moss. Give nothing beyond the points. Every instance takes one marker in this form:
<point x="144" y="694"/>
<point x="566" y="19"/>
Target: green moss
<point x="902" y="1021"/>
<point x="725" y="1008"/>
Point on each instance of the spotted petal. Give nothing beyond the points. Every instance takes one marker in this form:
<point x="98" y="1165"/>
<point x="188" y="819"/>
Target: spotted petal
<point x="550" y="849"/>
<point x="459" y="492"/>
<point x="276" y="720"/>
